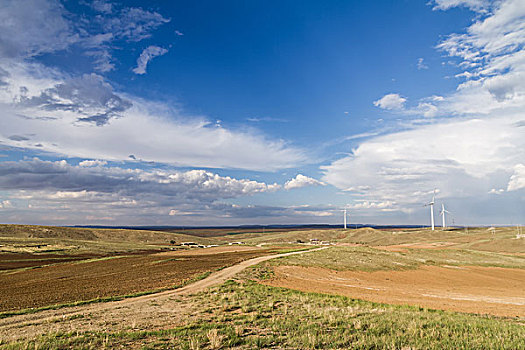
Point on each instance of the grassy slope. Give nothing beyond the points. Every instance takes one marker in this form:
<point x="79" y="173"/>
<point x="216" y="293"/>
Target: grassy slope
<point x="371" y="259"/>
<point x="248" y="315"/>
<point x="473" y="238"/>
<point x="75" y="240"/>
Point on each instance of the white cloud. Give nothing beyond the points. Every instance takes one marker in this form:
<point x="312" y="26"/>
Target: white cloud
<point x="458" y="156"/>
<point x="174" y="212"/>
<point x="302" y="181"/>
<point x="29" y="28"/>
<point x="475" y="5"/>
<point x="84" y="117"/>
<point x="133" y="23"/>
<point x="70" y="181"/>
<point x="125" y="194"/>
<point x="517" y="180"/>
<point x="6" y="204"/>
<point x="364" y="204"/>
<point x="391" y="102"/>
<point x="493" y="55"/>
<point x="90" y="163"/>
<point x="103" y="6"/>
<point x="420" y="64"/>
<point x="147" y="55"/>
<point x="60" y="193"/>
<point x="477" y="144"/>
<point x="426" y="109"/>
<point x="33" y="27"/>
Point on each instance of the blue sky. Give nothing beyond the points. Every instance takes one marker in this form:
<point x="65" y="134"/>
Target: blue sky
<point x="210" y="113"/>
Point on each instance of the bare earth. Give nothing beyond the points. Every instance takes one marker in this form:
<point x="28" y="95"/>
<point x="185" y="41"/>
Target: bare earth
<point x="125" y="274"/>
<point x="155" y="311"/>
<point x="482" y="290"/>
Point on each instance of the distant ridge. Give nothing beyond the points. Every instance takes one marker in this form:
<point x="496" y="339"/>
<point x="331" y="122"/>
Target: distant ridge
<point x="247" y="227"/>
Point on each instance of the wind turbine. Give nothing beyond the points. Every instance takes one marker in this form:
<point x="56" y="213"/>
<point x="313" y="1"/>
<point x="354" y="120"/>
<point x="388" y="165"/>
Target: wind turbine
<point x="431" y="204"/>
<point x="442" y="213"/>
<point x="344" y="218"/>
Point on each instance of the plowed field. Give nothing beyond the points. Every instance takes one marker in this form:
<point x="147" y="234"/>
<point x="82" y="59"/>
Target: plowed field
<point x="111" y="276"/>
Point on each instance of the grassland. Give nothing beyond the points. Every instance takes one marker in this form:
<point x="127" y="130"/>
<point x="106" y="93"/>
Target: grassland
<point x="248" y="312"/>
<point x="371" y="259"/>
<point x="247" y="315"/>
<point x="502" y="240"/>
<point x="77" y="241"/>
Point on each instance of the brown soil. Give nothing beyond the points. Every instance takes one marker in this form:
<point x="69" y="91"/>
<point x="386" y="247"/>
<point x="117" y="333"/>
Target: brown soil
<point x="10" y="261"/>
<point x="473" y="289"/>
<point x="121" y="275"/>
<point x="155" y="311"/>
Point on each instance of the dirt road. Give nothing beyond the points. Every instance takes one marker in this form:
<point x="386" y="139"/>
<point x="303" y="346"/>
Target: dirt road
<point x="160" y="310"/>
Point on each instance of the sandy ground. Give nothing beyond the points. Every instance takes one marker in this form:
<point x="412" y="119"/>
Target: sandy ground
<point x="473" y="289"/>
<point x="155" y="311"/>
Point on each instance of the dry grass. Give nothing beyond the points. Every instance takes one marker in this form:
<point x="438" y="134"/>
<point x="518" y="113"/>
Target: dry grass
<point x="247" y="315"/>
<point x="370" y="259"/>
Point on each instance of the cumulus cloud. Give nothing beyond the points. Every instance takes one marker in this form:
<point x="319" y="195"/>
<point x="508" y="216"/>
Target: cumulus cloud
<point x="391" y="102"/>
<point x="90" y="163"/>
<point x="454" y="156"/>
<point x="88" y="96"/>
<point x="475" y="146"/>
<point x="302" y="181"/>
<point x="147" y="55"/>
<point x="421" y="64"/>
<point x="122" y="193"/>
<point x="80" y="194"/>
<point x="517" y="180"/>
<point x="475" y="5"/>
<point x="364" y="204"/>
<point x="61" y="176"/>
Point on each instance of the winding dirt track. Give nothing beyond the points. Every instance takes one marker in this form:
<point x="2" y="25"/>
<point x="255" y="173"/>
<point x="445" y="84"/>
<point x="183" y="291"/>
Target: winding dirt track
<point x="149" y="311"/>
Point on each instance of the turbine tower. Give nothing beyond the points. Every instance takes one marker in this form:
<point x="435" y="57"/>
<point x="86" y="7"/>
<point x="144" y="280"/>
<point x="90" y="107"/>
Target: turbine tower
<point x="431" y="204"/>
<point x="442" y="213"/>
<point x="344" y="218"/>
